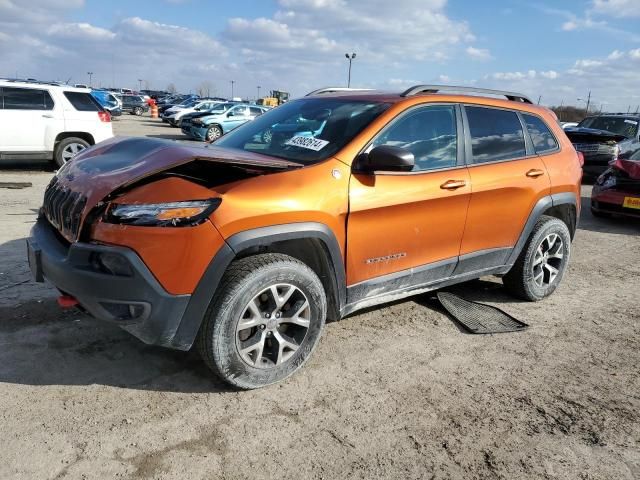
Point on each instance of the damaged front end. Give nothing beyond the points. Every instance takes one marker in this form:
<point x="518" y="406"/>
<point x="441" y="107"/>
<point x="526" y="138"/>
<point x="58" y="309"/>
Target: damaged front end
<point x="617" y="190"/>
<point x="600" y="148"/>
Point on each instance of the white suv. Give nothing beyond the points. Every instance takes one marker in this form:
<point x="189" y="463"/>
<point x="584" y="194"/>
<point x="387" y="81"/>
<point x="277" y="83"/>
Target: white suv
<point x="40" y="121"/>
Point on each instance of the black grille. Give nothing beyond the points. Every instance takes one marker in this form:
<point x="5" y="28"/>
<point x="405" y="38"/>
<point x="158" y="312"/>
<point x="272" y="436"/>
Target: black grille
<point x="63" y="208"/>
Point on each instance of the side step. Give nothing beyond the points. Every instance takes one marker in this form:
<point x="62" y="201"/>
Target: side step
<point x="479" y="318"/>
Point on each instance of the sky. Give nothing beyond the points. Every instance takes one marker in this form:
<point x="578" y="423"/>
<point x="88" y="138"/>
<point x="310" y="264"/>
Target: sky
<point x="553" y="53"/>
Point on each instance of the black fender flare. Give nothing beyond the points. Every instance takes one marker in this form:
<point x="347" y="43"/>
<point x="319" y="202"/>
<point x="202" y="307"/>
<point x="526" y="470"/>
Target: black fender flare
<point x="200" y="299"/>
<point x="544" y="204"/>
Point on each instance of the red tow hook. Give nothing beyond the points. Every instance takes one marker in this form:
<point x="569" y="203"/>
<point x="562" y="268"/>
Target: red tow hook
<point x="67" y="301"/>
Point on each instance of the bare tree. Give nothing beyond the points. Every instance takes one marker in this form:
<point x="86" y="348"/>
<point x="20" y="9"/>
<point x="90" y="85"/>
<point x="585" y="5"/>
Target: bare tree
<point x="171" y="88"/>
<point x="206" y="89"/>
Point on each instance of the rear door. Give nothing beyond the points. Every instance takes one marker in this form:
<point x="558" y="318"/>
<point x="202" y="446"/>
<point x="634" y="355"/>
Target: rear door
<point x="507" y="179"/>
<point x="410" y="225"/>
<point x="26" y="117"/>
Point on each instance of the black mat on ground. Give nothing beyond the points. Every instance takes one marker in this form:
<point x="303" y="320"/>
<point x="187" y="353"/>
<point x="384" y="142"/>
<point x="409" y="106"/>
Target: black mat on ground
<point x="478" y="317"/>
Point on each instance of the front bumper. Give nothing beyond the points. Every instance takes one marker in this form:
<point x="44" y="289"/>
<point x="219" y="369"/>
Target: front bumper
<point x="612" y="201"/>
<point x="199" y="132"/>
<point x="136" y="302"/>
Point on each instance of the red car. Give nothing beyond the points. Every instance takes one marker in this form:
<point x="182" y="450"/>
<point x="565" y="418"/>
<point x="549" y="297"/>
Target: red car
<point x="617" y="190"/>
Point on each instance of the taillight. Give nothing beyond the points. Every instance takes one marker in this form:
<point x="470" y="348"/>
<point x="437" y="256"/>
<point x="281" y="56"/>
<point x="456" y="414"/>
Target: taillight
<point x="580" y="159"/>
<point x="104" y="117"/>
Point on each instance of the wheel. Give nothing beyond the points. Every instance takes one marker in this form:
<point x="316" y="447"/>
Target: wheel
<point x="213" y="133"/>
<point x="69" y="148"/>
<point x="138" y="111"/>
<point x="264" y="322"/>
<point x="542" y="262"/>
<point x="267" y="135"/>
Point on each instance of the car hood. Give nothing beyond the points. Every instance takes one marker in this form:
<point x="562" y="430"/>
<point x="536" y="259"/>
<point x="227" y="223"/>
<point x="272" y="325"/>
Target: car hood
<point x="590" y="135"/>
<point x="120" y="162"/>
<point x="630" y="167"/>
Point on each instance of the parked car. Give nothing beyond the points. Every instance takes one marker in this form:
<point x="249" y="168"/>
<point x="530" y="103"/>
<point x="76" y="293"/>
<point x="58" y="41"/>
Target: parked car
<point x="202" y="106"/>
<point x="134" y="104"/>
<point x="211" y="127"/>
<point x="44" y="121"/>
<point x="181" y="100"/>
<point x="604" y="138"/>
<point x="217" y="109"/>
<point x="617" y="190"/>
<point x="186" y="104"/>
<point x="246" y="246"/>
<point x="108" y="101"/>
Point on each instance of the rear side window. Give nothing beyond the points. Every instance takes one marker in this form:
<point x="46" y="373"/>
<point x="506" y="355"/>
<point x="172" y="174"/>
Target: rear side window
<point x="496" y="135"/>
<point x="542" y="138"/>
<point x="256" y="111"/>
<point x="26" y="99"/>
<point x="83" y="102"/>
<point x="429" y="133"/>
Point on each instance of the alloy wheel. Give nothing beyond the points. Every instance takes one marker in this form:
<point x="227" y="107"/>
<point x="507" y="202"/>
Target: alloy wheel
<point x="71" y="151"/>
<point x="548" y="259"/>
<point x="273" y="326"/>
<point x="213" y="134"/>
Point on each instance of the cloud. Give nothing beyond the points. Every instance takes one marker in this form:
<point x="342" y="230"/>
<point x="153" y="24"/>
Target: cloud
<point x="478" y="53"/>
<point x="617" y="8"/>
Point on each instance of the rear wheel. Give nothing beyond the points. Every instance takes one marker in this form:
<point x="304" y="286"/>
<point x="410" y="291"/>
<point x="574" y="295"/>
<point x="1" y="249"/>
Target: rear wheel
<point x="264" y="322"/>
<point x="69" y="148"/>
<point x="542" y="262"/>
<point x="213" y="133"/>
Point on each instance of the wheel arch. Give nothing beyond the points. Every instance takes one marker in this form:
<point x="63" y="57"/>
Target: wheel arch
<point x="559" y="205"/>
<point x="87" y="137"/>
<point x="312" y="243"/>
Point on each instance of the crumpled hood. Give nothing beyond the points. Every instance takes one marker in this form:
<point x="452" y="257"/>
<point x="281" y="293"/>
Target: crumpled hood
<point x="119" y="162"/>
<point x="581" y="134"/>
<point x="630" y="167"/>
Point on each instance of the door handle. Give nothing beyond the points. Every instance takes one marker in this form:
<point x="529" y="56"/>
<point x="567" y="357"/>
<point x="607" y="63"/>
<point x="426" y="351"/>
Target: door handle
<point x="46" y="115"/>
<point x="534" y="172"/>
<point x="453" y="184"/>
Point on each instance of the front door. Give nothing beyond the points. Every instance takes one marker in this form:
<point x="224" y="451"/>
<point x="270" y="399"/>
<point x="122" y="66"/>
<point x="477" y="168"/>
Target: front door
<point x="404" y="229"/>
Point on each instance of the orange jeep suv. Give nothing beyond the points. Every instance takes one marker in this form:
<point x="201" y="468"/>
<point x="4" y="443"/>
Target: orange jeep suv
<point x="325" y="205"/>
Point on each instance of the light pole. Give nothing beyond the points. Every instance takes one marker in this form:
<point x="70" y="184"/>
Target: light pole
<point x="232" y="82"/>
<point x="259" y="91"/>
<point x="139" y="84"/>
<point x="588" y="100"/>
<point x="90" y="75"/>
<point x="350" y="58"/>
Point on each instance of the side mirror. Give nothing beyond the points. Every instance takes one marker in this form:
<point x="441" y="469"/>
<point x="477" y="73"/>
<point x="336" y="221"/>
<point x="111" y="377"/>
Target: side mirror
<point x="230" y="114"/>
<point x="386" y="158"/>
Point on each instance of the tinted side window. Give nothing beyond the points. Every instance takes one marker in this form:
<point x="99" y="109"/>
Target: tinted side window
<point x="256" y="111"/>
<point x="83" y="102"/>
<point x="430" y="133"/>
<point x="495" y="134"/>
<point x="542" y="138"/>
<point x="26" y="99"/>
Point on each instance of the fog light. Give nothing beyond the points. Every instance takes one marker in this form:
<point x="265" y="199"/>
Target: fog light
<point x="111" y="263"/>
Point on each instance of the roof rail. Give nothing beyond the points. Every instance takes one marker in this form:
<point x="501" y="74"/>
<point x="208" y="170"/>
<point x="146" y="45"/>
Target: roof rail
<point x="337" y="89"/>
<point x="514" y="97"/>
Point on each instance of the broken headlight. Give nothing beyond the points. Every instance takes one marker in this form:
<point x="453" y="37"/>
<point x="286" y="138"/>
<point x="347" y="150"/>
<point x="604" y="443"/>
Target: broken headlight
<point x="172" y="214"/>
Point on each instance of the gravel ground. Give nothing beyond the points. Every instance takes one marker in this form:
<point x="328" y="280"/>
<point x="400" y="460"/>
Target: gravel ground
<point x="394" y="392"/>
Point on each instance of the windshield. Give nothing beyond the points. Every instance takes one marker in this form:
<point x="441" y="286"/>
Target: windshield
<point x="618" y="125"/>
<point x="305" y="130"/>
<point x="190" y="103"/>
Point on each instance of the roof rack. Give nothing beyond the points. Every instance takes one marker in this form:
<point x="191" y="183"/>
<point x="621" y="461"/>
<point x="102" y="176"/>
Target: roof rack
<point x="34" y="81"/>
<point x="337" y="90"/>
<point x="415" y="90"/>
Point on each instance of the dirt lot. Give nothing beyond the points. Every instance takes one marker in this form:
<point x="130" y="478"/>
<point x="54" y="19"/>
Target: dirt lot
<point x="395" y="392"/>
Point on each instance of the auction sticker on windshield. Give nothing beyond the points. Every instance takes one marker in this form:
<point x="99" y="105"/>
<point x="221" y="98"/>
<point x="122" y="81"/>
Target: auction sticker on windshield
<point x="307" y="142"/>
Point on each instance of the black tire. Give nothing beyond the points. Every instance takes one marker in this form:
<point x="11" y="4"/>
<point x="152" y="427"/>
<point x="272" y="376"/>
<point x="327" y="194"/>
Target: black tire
<point x="244" y="281"/>
<point x="214" y="132"/>
<point x="61" y="154"/>
<point x="521" y="281"/>
<point x="138" y="111"/>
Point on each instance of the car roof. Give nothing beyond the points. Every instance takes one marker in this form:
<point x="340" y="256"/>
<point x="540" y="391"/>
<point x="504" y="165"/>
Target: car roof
<point x="41" y="84"/>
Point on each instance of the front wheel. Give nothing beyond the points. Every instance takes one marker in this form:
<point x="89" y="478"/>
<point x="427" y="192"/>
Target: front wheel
<point x="213" y="133"/>
<point x="138" y="111"/>
<point x="542" y="262"/>
<point x="264" y="322"/>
